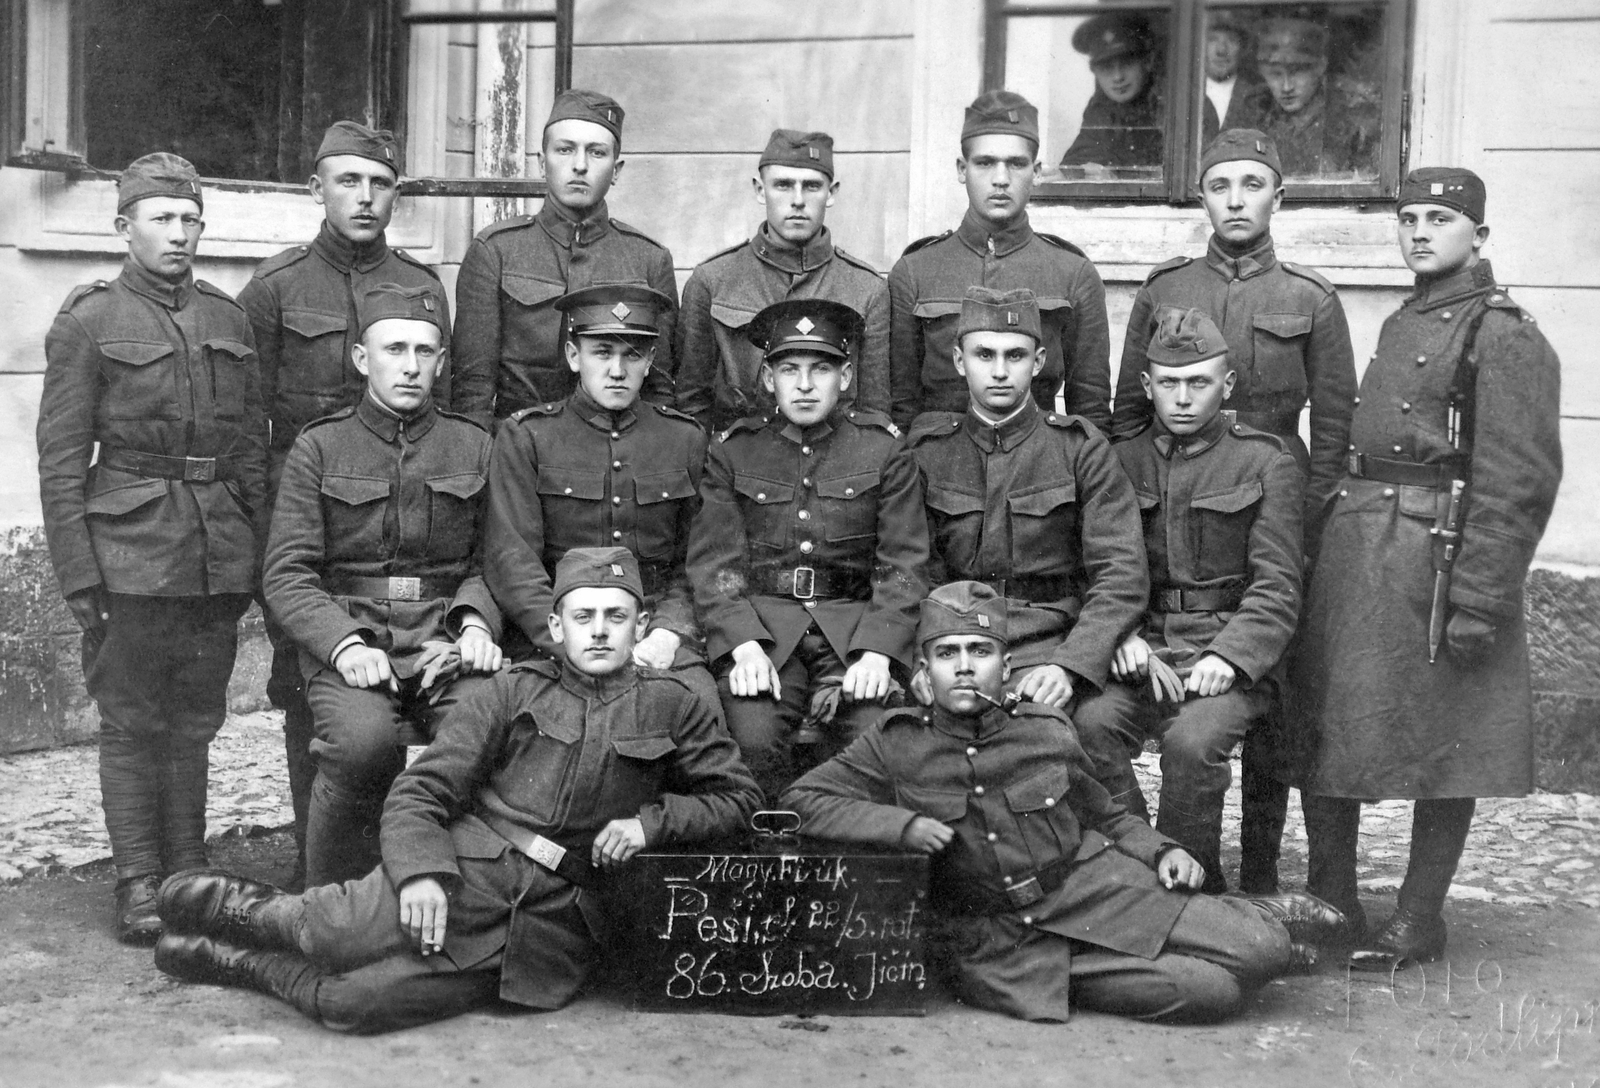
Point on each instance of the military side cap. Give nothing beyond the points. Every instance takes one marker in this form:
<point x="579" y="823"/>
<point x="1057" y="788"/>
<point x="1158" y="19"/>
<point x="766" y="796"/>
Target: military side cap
<point x="1451" y="186"/>
<point x="354" y="138"/>
<point x="1239" y="144"/>
<point x="1004" y="112"/>
<point x="1106" y="37"/>
<point x="159" y="173"/>
<point x="987" y="310"/>
<point x="583" y="568"/>
<point x="805" y="324"/>
<point x="1292" y="41"/>
<point x="388" y="300"/>
<point x="962" y="608"/>
<point x="1184" y="337"/>
<point x="614" y="309"/>
<point x="808" y="150"/>
<point x="577" y="105"/>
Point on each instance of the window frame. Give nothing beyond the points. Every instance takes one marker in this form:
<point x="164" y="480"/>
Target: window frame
<point x="1180" y="186"/>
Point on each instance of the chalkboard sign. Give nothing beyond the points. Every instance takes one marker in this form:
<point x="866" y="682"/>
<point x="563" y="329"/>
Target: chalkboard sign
<point x="772" y="926"/>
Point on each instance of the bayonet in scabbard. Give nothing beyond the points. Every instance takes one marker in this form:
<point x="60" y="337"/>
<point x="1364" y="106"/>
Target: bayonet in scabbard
<point x="1446" y="543"/>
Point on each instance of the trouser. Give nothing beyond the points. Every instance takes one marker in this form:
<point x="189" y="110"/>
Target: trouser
<point x="286" y="690"/>
<point x="765" y="727"/>
<point x="1217" y="952"/>
<point x="359" y="748"/>
<point x="1439" y="829"/>
<point x="1197" y="737"/>
<point x="159" y="675"/>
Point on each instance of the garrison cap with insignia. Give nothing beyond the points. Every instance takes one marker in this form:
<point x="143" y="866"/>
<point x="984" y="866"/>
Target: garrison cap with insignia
<point x="808" y="150"/>
<point x="1451" y="186"/>
<point x="962" y="608"/>
<point x="1114" y="34"/>
<point x="159" y="173"/>
<point x="805" y="324"/>
<point x="354" y="138"/>
<point x="576" y="105"/>
<point x="984" y="309"/>
<point x="614" y="309"/>
<point x="583" y="568"/>
<point x="1184" y="337"/>
<point x="388" y="300"/>
<point x="1242" y="144"/>
<point x="1001" y="112"/>
<point x="1292" y="41"/>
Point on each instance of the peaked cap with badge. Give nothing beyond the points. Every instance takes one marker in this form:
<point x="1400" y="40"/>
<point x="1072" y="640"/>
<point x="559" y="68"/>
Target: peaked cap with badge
<point x="354" y="138"/>
<point x="805" y="324"/>
<point x="578" y="105"/>
<point x="1114" y="34"/>
<point x="1451" y="186"/>
<point x="159" y="173"/>
<point x="615" y="309"/>
<point x="962" y="608"/>
<point x="391" y="300"/>
<point x="1241" y="144"/>
<point x="984" y="309"/>
<point x="1184" y="337"/>
<point x="597" y="568"/>
<point x="808" y="150"/>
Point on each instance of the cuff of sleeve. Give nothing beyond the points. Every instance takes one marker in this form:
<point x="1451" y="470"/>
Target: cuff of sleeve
<point x="652" y="817"/>
<point x="357" y="638"/>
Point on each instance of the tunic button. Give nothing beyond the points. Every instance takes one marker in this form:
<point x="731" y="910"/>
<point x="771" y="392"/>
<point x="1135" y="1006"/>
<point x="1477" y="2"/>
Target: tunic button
<point x="992" y="837"/>
<point x="1027" y="919"/>
<point x="568" y="491"/>
<point x="972" y="751"/>
<point x="806" y="450"/>
<point x="1049" y="802"/>
<point x="1445" y="316"/>
<point x="1352" y="447"/>
<point x="1399" y="449"/>
<point x="616" y="464"/>
<point x="664" y="495"/>
<point x="616" y="534"/>
<point x="616" y="434"/>
<point x="616" y="500"/>
<point x="1006" y="881"/>
<point x="1344" y="494"/>
<point x="978" y="790"/>
<point x="811" y="604"/>
<point x="806" y="546"/>
<point x="804" y="515"/>
<point x="1405" y="406"/>
<point x="1421" y="359"/>
<point x="761" y="496"/>
<point x="1358" y="399"/>
<point x="805" y="481"/>
<point x="849" y="491"/>
<point x="955" y="423"/>
<point x="1388" y="492"/>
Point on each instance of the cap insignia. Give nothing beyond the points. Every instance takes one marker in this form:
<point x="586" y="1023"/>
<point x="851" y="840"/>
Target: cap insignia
<point x="1261" y="148"/>
<point x="804" y="326"/>
<point x="616" y="570"/>
<point x="1436" y="189"/>
<point x="1011" y="115"/>
<point x="983" y="621"/>
<point x="1011" y="317"/>
<point x="621" y="311"/>
<point x="427" y="303"/>
<point x="813" y="152"/>
<point x="1200" y="345"/>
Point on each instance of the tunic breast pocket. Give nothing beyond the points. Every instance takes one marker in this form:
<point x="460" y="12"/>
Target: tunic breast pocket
<point x="1044" y="522"/>
<point x="1039" y="805"/>
<point x="641" y="767"/>
<point x="1280" y="353"/>
<point x="141" y="382"/>
<point x="957" y="525"/>
<point x="849" y="506"/>
<point x="353" y="514"/>
<point x="536" y="772"/>
<point x="313" y="352"/>
<point x="765" y="506"/>
<point x="946" y="806"/>
<point x="455" y="502"/>
<point x="1220" y="524"/>
<point x="229" y="361"/>
<point x="658" y="496"/>
<point x="937" y="320"/>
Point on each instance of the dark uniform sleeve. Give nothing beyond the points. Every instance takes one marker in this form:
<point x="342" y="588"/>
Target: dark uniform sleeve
<point x="850" y="798"/>
<point x="253" y="477"/>
<point x="1094" y="806"/>
<point x="696" y="373"/>
<point x="708" y="792"/>
<point x="717" y="567"/>
<point x="475" y="343"/>
<point x="872" y="379"/>
<point x="66" y="440"/>
<point x="513" y="535"/>
<point x="1331" y="385"/>
<point x="1516" y="464"/>
<point x="1088" y="357"/>
<point x="1132" y="410"/>
<point x="266" y="322"/>
<point x="905" y="347"/>
<point x="1258" y="634"/>
<point x="473" y="594"/>
<point x="658" y="384"/>
<point x="900" y="573"/>
<point x="675" y="607"/>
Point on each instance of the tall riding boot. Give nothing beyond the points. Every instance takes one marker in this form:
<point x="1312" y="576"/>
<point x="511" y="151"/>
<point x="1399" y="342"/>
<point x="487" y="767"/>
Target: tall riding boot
<point x="184" y="771"/>
<point x="130" y="795"/>
<point x="284" y="975"/>
<point x="1264" y="803"/>
<point x="341" y="834"/>
<point x="298" y="731"/>
<point x="1333" y="826"/>
<point x="1415" y="933"/>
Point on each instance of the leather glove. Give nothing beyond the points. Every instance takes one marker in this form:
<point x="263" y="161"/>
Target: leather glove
<point x="824" y="702"/>
<point x="1469" y="636"/>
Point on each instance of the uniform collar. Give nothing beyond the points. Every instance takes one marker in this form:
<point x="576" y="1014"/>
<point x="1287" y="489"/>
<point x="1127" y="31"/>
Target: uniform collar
<point x="601" y="688"/>
<point x="806" y="436"/>
<point x="1005" y="435"/>
<point x="387" y="425"/>
<point x="598" y="416"/>
<point x="976" y="233"/>
<point x="1259" y="258"/>
<point x="786" y="257"/>
<point x="344" y="254"/>
<point x="565" y="226"/>
<point x="1190" y="445"/>
<point x="142" y="281"/>
<point x="1432" y="293"/>
<point x="983" y="727"/>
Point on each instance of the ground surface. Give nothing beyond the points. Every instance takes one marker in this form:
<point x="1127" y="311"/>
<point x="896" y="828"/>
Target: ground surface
<point x="1515" y="1004"/>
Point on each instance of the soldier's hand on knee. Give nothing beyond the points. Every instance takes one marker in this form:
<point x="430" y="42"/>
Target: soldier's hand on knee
<point x="753" y="672"/>
<point x="1470" y="637"/>
<point x="1132" y="659"/>
<point x="88" y="609"/>
<point x="364" y="666"/>
<point x="617" y="842"/>
<point x="1211" y="675"/>
<point x="868" y="678"/>
<point x="657" y="649"/>
<point x="1178" y="869"/>
<point x="424" y="910"/>
<point x="479" y="651"/>
<point x="1048" y="685"/>
<point x="926" y="835"/>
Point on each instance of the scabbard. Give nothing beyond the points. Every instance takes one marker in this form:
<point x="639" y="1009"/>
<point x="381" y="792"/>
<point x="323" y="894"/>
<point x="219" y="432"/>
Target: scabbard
<point x="1441" y="601"/>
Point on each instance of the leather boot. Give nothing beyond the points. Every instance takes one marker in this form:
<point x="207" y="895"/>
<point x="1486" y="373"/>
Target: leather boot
<point x="236" y="910"/>
<point x="1333" y="826"/>
<point x="130" y="795"/>
<point x="1308" y="919"/>
<point x="1264" y="805"/>
<point x="298" y="731"/>
<point x="1406" y="938"/>
<point x="283" y="975"/>
<point x="137" y="920"/>
<point x="341" y="834"/>
<point x="184" y="770"/>
<point x="1416" y="933"/>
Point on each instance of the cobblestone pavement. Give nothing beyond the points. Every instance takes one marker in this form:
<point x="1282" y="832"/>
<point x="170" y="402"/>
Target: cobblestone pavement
<point x="1530" y="851"/>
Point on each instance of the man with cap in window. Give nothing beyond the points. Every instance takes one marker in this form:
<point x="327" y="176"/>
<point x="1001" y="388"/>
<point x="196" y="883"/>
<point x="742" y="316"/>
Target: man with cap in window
<point x="791" y="256"/>
<point x="995" y="247"/>
<point x="302" y="307"/>
<point x="1288" y="344"/>
<point x="1124" y="120"/>
<point x="509" y="344"/>
<point x="1046" y="892"/>
<point x="1320" y="132"/>
<point x="499" y="842"/>
<point x="373" y="569"/>
<point x="809" y="552"/>
<point x="601" y="468"/>
<point x="1232" y="86"/>
<point x="154" y="538"/>
<point x="1411" y="680"/>
<point x="1221" y="505"/>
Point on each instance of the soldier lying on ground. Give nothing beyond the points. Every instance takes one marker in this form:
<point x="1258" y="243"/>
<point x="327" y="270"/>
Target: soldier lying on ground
<point x="497" y="843"/>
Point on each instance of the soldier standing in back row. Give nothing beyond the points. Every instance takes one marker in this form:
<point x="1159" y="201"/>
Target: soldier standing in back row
<point x="302" y="307"/>
<point x="509" y="344"/>
<point x="154" y="544"/>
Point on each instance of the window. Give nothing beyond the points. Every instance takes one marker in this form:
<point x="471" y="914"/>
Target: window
<point x="1129" y="93"/>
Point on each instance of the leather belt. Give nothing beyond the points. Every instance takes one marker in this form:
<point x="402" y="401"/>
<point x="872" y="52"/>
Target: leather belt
<point x="390" y="589"/>
<point x="1032" y="587"/>
<point x="1019" y="892"/>
<point x="1285" y="421"/>
<point x="809" y="583"/>
<point x="544" y="852"/>
<point x="1224" y="598"/>
<point x="200" y="470"/>
<point x="1405" y="473"/>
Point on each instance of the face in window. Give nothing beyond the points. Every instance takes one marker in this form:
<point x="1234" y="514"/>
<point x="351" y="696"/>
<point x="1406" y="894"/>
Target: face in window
<point x="998" y="367"/>
<point x="1240" y="197"/>
<point x="611" y="369"/>
<point x="597" y="626"/>
<point x="1122" y="79"/>
<point x="999" y="171"/>
<point x="1294" y="84"/>
<point x="357" y="195"/>
<point x="960" y="666"/>
<point x="579" y="162"/>
<point x="1186" y="398"/>
<point x="400" y="358"/>
<point x="806" y="384"/>
<point x="1224" y="47"/>
<point x="1439" y="241"/>
<point x="162" y="233"/>
<point x="797" y="201"/>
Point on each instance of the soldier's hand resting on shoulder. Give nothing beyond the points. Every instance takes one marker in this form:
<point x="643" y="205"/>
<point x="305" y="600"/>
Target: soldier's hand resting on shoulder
<point x="867" y="678"/>
<point x="926" y="836"/>
<point x="1178" y="869"/>
<point x="1469" y="636"/>
<point x="657" y="649"/>
<point x="1211" y="675"/>
<point x="89" y="610"/>
<point x="1048" y="684"/>
<point x="424" y="909"/>
<point x="617" y="842"/>
<point x="1132" y="659"/>
<point x="364" y="666"/>
<point x="753" y="672"/>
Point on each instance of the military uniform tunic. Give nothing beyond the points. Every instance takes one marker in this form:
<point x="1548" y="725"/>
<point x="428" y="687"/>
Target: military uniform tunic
<point x="925" y="291"/>
<point x="1330" y="138"/>
<point x="508" y="349"/>
<point x="719" y="369"/>
<point x="1382" y="721"/>
<point x="1121" y="134"/>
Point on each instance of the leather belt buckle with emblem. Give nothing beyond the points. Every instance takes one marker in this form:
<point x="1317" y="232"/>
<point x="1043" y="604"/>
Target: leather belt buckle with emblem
<point x="1025" y="893"/>
<point x="805" y="583"/>
<point x="1171" y="600"/>
<point x="405" y="589"/>
<point x="546" y="853"/>
<point x="200" y="470"/>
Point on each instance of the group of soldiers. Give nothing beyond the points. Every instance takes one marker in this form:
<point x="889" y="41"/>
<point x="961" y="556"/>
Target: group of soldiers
<point x="630" y="567"/>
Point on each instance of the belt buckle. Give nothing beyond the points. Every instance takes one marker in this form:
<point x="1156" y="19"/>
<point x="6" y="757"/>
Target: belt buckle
<point x="546" y="853"/>
<point x="1172" y="600"/>
<point x="1025" y="893"/>
<point x="405" y="589"/>
<point x="805" y="583"/>
<point x="200" y="470"/>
